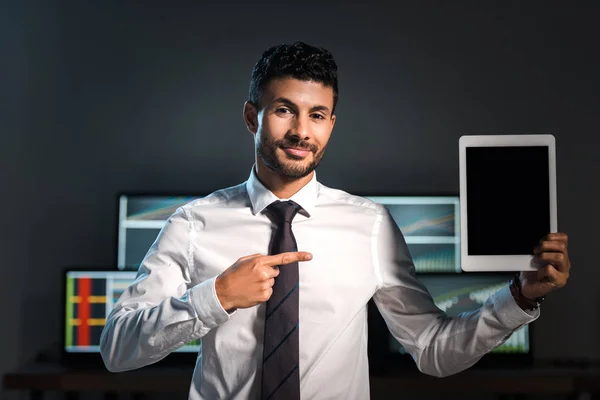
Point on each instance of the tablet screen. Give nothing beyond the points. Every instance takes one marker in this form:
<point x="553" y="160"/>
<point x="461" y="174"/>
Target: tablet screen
<point x="508" y="199"/>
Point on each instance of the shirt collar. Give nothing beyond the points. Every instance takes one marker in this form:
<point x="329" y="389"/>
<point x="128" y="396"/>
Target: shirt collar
<point x="261" y="197"/>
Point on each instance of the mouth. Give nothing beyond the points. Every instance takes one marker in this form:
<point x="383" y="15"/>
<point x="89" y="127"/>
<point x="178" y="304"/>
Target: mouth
<point x="296" y="152"/>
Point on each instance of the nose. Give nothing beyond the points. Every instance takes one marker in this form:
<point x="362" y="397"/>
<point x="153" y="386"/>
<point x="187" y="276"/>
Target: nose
<point x="301" y="127"/>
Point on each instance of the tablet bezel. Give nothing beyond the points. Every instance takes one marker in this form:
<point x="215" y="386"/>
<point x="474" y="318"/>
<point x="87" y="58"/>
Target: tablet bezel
<point x="502" y="262"/>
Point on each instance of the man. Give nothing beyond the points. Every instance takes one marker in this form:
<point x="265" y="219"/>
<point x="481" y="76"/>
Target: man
<point x="277" y="323"/>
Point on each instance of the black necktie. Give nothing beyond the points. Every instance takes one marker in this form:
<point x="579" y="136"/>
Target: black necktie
<point x="281" y="375"/>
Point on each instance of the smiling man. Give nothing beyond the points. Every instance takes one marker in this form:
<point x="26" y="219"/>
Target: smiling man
<point x="278" y="323"/>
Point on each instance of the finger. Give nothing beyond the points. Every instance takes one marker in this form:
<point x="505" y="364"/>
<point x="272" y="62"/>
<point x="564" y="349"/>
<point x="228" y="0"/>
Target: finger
<point x="558" y="260"/>
<point x="286" y="258"/>
<point x="558" y="236"/>
<point x="267" y="272"/>
<point x="266" y="294"/>
<point x="249" y="257"/>
<point x="270" y="271"/>
<point x="550" y="246"/>
<point x="553" y="276"/>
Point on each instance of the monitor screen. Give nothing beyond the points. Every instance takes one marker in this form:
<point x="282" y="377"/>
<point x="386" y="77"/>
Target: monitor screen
<point x="456" y="293"/>
<point x="89" y="298"/>
<point x="431" y="227"/>
<point x="141" y="217"/>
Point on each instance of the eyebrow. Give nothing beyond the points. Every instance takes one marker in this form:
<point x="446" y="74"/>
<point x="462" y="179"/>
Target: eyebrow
<point x="290" y="103"/>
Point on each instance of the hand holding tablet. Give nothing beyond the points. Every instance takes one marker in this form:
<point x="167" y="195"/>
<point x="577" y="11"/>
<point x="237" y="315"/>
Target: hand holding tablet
<point x="552" y="258"/>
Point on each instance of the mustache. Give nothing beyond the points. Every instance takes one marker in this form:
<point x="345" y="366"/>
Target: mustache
<point x="297" y="143"/>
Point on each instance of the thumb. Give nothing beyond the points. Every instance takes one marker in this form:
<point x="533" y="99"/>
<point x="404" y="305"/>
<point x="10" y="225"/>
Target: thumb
<point x="529" y="276"/>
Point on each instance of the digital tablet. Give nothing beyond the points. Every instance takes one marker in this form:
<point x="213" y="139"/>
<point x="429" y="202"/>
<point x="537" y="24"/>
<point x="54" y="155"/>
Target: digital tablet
<point x="508" y="199"/>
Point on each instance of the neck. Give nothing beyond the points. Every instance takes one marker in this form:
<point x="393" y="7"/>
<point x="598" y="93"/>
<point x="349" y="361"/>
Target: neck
<point x="281" y="186"/>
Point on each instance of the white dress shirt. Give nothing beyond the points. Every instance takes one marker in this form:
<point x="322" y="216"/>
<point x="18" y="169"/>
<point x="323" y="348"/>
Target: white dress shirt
<point x="358" y="254"/>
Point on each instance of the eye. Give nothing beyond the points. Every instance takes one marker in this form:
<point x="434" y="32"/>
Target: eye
<point x="282" y="110"/>
<point x="317" y="116"/>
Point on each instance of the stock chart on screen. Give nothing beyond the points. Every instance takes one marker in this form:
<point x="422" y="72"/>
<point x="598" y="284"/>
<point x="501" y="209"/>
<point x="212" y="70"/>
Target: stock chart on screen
<point x="90" y="297"/>
<point x="431" y="228"/>
<point x="141" y="217"/>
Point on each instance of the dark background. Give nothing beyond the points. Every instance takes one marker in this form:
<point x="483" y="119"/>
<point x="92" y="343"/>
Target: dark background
<point x="109" y="96"/>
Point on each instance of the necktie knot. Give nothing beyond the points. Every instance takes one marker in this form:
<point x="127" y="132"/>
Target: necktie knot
<point x="282" y="211"/>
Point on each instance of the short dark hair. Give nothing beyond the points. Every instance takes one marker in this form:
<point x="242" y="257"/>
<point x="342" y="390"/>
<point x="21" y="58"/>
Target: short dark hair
<point x="299" y="61"/>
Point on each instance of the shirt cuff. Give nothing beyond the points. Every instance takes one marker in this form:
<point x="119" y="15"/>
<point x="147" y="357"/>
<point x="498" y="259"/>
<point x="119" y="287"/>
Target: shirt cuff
<point x="508" y="311"/>
<point x="207" y="305"/>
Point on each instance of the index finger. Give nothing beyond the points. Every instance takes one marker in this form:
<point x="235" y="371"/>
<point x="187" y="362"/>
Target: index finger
<point x="286" y="258"/>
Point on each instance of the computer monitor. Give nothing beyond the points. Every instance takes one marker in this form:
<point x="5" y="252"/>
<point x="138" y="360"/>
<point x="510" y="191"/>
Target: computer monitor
<point x="89" y="297"/>
<point x="141" y="217"/>
<point x="431" y="227"/>
<point x="454" y="294"/>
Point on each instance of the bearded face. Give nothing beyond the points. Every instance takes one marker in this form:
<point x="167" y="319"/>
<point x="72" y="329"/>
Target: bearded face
<point x="291" y="126"/>
<point x="289" y="157"/>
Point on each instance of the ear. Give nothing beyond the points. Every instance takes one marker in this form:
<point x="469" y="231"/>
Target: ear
<point x="251" y="117"/>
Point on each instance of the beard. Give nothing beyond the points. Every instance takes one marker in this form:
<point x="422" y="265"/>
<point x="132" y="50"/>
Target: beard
<point x="267" y="151"/>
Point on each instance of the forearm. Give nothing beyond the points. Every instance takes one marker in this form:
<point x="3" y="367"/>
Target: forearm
<point x="442" y="346"/>
<point x="137" y="334"/>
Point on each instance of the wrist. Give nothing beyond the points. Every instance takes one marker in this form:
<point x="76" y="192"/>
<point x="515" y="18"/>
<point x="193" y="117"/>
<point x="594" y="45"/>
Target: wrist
<point x="221" y="294"/>
<point x="526" y="303"/>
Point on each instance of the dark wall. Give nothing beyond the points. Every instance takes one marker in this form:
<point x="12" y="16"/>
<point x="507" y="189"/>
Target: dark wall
<point x="101" y="97"/>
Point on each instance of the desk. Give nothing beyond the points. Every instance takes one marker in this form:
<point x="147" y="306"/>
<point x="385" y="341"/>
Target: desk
<point x="570" y="382"/>
<point x="38" y="378"/>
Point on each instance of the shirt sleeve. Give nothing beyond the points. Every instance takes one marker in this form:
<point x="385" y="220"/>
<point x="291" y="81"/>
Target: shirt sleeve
<point x="439" y="344"/>
<point x="161" y="311"/>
